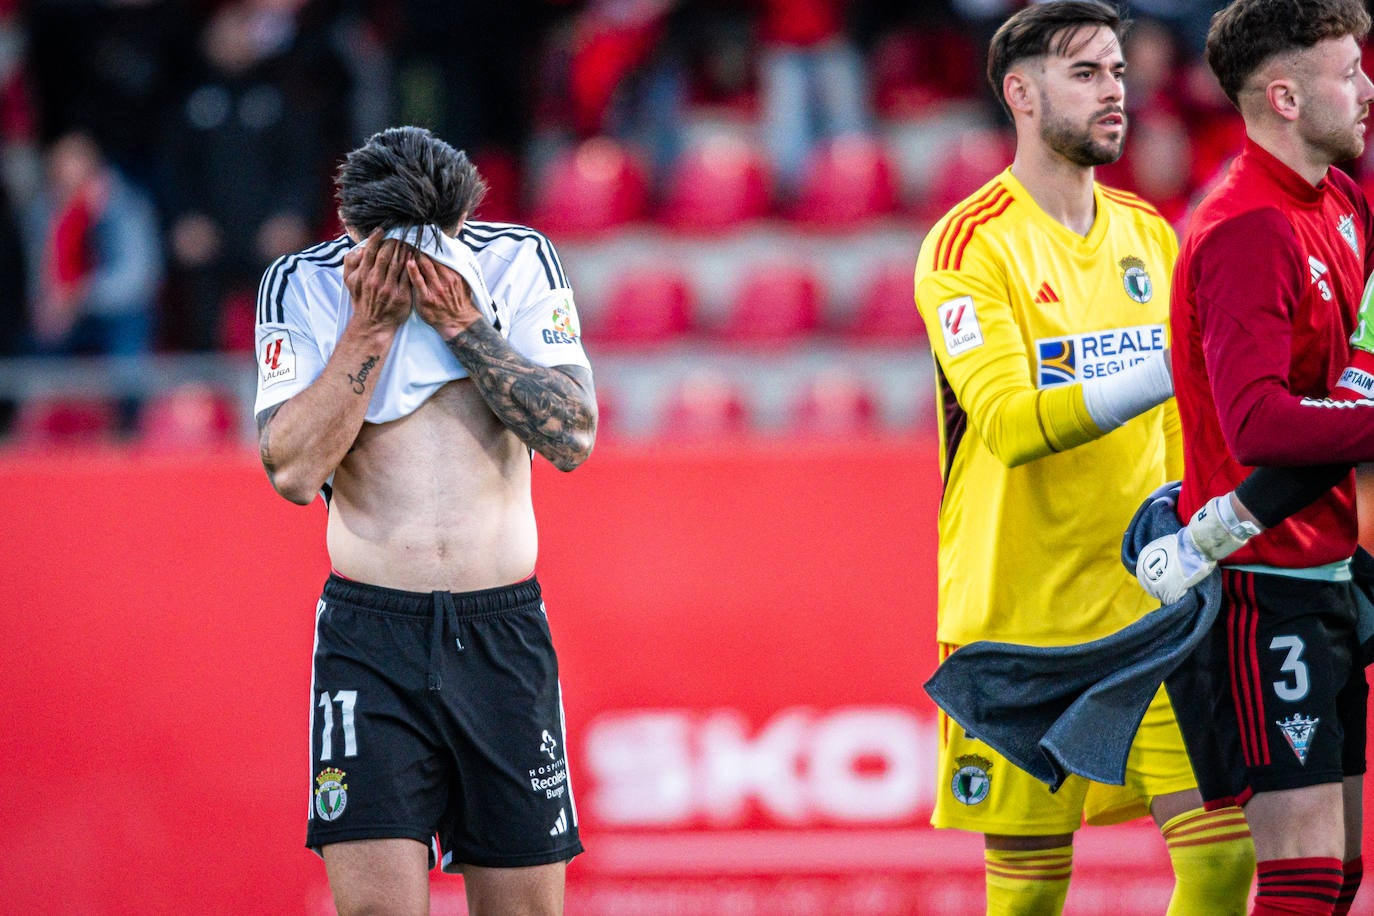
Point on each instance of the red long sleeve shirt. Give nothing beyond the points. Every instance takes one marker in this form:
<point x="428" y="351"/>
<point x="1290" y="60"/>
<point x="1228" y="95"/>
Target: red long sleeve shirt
<point x="1266" y="291"/>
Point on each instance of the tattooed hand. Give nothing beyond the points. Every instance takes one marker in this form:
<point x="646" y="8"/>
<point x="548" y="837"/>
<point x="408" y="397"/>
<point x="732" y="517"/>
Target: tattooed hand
<point x="442" y="297"/>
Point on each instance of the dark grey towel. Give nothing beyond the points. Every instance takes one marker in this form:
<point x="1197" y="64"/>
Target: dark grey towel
<point x="1362" y="571"/>
<point x="1058" y="710"/>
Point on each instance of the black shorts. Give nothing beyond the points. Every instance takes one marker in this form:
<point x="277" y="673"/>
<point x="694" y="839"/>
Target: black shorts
<point x="440" y="714"/>
<point x="1275" y="696"/>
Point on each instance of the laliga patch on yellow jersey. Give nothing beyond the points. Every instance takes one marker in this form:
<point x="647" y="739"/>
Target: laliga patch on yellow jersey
<point x="1078" y="357"/>
<point x="959" y="322"/>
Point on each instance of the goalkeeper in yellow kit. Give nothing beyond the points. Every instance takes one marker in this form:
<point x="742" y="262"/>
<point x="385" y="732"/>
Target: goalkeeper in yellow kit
<point x="1046" y="297"/>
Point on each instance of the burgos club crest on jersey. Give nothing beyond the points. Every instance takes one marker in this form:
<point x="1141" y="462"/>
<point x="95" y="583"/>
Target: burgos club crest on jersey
<point x="332" y="795"/>
<point x="1136" y="279"/>
<point x="971" y="782"/>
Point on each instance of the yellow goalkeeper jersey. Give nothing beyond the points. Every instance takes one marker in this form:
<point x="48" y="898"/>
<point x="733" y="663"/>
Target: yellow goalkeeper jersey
<point x="1021" y="311"/>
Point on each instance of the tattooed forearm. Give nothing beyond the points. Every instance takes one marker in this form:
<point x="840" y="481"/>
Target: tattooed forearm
<point x="551" y="411"/>
<point x="264" y="445"/>
<point x="359" y="381"/>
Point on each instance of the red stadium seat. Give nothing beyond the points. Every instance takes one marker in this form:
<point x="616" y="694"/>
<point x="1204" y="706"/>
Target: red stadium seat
<point x="237" y="328"/>
<point x="913" y="71"/>
<point x="776" y="303"/>
<point x="646" y="306"/>
<point x="846" y="181"/>
<point x="64" y="421"/>
<point x="717" y="184"/>
<point x="886" y="310"/>
<point x="191" y="416"/>
<point x="704" y="405"/>
<point x="596" y="186"/>
<point x="973" y="157"/>
<point x="895" y="65"/>
<point x="501" y="172"/>
<point x="835" y="404"/>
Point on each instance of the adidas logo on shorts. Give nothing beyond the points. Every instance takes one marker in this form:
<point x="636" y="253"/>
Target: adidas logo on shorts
<point x="560" y="826"/>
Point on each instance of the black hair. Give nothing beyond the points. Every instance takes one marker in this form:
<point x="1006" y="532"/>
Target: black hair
<point x="406" y="176"/>
<point x="1045" y="28"/>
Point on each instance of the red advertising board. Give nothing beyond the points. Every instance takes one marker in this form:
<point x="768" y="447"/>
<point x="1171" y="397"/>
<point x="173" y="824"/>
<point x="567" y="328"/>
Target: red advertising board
<point x="743" y="633"/>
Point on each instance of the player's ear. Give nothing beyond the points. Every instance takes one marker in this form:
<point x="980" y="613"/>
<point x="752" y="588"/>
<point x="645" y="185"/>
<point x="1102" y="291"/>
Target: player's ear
<point x="1019" y="92"/>
<point x="1284" y="98"/>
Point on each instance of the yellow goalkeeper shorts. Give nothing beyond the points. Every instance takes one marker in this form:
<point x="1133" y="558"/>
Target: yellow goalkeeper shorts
<point x="981" y="791"/>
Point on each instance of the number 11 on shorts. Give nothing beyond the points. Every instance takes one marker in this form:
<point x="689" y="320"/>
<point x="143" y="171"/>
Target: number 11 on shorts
<point x="347" y="700"/>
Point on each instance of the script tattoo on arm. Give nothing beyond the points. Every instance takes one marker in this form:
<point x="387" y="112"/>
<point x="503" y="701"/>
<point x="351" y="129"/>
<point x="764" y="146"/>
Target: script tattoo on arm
<point x="553" y="411"/>
<point x="359" y="381"/>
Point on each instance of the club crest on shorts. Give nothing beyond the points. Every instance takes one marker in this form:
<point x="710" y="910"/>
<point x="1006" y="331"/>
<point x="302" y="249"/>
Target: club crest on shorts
<point x="1299" y="730"/>
<point x="971" y="782"/>
<point x="1136" y="279"/>
<point x="331" y="796"/>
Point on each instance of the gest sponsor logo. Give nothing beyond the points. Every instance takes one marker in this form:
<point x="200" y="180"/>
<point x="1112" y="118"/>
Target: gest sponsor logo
<point x="1079" y="357"/>
<point x="677" y="768"/>
<point x="564" y="328"/>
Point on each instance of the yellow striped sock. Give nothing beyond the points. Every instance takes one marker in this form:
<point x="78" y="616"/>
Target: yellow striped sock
<point x="1214" y="862"/>
<point x="1027" y="882"/>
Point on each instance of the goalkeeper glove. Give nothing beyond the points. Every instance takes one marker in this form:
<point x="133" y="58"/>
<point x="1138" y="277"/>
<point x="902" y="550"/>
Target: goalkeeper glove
<point x="1357" y="381"/>
<point x="1174" y="563"/>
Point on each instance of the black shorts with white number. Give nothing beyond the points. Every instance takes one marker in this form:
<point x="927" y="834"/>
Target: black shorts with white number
<point x="440" y="714"/>
<point x="1275" y="696"/>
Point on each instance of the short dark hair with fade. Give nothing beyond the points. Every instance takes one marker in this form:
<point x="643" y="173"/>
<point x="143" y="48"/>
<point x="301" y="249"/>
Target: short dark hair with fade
<point x="1248" y="33"/>
<point x="1045" y="28"/>
<point x="406" y="176"/>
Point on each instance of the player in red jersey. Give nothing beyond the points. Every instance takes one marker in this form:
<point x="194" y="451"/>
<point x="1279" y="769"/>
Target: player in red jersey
<point x="1266" y="292"/>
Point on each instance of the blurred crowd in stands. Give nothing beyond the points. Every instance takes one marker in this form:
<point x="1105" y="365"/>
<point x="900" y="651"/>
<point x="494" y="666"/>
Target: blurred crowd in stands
<point x="156" y="155"/>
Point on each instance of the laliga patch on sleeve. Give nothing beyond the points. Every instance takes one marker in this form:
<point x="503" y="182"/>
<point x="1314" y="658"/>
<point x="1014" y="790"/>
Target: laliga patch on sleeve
<point x="959" y="322"/>
<point x="276" y="358"/>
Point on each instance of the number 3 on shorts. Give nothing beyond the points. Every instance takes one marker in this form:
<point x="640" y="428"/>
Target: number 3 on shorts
<point x="1292" y="664"/>
<point x="347" y="700"/>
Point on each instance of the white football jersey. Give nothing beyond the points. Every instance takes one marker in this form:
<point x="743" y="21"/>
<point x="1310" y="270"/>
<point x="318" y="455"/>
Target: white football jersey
<point x="303" y="308"/>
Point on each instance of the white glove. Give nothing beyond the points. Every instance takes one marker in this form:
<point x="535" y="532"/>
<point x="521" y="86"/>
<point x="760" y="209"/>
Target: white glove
<point x="1170" y="565"/>
<point x="1174" y="563"/>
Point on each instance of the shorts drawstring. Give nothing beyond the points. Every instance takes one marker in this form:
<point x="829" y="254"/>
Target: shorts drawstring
<point x="444" y="611"/>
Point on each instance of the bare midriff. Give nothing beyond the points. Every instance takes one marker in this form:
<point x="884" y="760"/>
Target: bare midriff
<point x="437" y="500"/>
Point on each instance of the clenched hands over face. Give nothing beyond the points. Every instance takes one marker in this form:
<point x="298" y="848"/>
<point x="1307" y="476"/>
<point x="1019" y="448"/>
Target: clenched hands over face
<point x="386" y="278"/>
<point x="442" y="297"/>
<point x="375" y="275"/>
<point x="552" y="410"/>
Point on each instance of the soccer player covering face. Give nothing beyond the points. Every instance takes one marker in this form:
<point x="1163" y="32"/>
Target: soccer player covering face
<point x="1267" y="300"/>
<point x="1046" y="296"/>
<point x="410" y="380"/>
